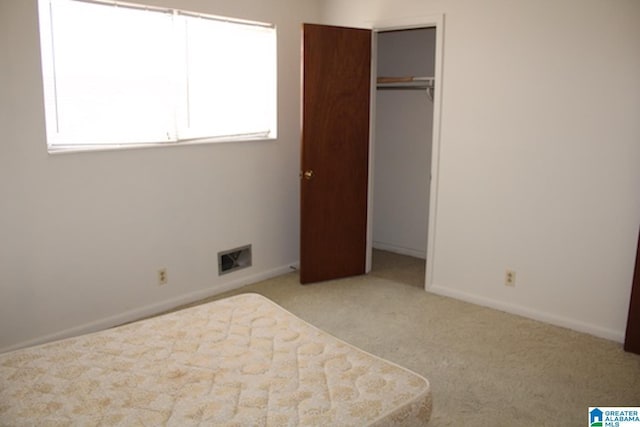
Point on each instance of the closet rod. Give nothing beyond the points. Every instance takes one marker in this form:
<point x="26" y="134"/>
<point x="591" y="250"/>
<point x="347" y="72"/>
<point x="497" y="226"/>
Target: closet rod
<point x="405" y="79"/>
<point x="406" y="83"/>
<point x="404" y="87"/>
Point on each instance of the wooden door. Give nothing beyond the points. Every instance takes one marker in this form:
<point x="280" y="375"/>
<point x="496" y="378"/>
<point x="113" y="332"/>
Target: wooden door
<point x="335" y="151"/>
<point x="632" y="338"/>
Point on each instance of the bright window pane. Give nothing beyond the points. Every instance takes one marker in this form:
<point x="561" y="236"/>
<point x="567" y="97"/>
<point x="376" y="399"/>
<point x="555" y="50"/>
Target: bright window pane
<point x="231" y="71"/>
<point x="117" y="75"/>
<point x="111" y="76"/>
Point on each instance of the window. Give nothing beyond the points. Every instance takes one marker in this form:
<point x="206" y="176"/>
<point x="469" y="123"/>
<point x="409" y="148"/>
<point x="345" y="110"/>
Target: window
<point x="120" y="74"/>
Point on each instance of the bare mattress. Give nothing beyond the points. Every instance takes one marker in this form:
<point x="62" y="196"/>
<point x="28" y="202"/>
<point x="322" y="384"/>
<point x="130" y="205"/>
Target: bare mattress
<point x="238" y="361"/>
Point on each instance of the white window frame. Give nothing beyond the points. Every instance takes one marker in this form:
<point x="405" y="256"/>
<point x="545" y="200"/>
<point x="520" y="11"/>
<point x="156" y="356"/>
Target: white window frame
<point x="181" y="134"/>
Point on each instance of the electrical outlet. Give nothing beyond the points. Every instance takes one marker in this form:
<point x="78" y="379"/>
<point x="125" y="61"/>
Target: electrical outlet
<point x="162" y="277"/>
<point x="510" y="278"/>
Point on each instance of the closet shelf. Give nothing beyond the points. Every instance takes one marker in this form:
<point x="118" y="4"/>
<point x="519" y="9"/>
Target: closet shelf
<point x="408" y="82"/>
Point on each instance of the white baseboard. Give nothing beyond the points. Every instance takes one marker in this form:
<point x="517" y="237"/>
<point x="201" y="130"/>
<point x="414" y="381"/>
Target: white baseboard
<point x="152" y="309"/>
<point x="541" y="316"/>
<point x="400" y="250"/>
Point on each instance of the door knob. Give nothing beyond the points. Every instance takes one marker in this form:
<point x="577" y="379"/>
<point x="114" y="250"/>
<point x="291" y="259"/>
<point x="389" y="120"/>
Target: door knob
<point x="308" y="174"/>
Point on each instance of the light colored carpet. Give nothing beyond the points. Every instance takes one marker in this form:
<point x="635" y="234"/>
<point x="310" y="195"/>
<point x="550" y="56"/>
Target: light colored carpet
<point x="486" y="367"/>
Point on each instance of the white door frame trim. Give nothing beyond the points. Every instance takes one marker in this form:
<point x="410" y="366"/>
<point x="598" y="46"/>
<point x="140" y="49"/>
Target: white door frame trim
<point x="437" y="21"/>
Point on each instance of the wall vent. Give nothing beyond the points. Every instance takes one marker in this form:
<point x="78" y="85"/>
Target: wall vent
<point x="234" y="259"/>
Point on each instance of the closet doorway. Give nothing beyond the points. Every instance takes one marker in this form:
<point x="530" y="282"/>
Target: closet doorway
<point x="403" y="127"/>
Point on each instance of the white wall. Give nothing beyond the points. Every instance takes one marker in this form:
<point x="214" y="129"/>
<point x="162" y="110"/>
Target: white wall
<point x="82" y="235"/>
<point x="540" y="152"/>
<point x="403" y="128"/>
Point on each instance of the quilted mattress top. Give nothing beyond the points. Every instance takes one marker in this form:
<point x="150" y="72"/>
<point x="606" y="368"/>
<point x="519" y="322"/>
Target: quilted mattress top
<point x="238" y="361"/>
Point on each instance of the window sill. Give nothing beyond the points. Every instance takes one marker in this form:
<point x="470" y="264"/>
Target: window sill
<point x="69" y="149"/>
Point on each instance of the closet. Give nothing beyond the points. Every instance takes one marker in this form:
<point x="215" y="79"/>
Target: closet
<point x="403" y="140"/>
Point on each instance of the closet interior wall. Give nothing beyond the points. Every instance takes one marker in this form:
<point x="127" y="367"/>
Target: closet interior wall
<point x="403" y="141"/>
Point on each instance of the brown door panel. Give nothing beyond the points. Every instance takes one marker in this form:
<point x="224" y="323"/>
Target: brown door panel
<point x="632" y="337"/>
<point x="335" y="151"/>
